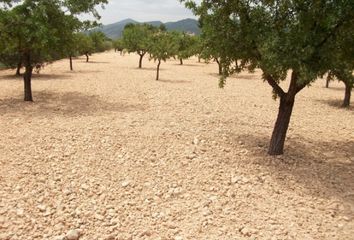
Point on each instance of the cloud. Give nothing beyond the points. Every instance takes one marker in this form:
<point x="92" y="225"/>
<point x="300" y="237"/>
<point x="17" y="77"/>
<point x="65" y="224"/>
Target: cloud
<point x="144" y="10"/>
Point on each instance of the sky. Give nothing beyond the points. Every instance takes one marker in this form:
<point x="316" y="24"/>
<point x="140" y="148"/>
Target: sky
<point x="144" y="10"/>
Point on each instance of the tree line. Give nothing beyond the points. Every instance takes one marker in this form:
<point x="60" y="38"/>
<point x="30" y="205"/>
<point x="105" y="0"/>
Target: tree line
<point x="35" y="32"/>
<point x="156" y="42"/>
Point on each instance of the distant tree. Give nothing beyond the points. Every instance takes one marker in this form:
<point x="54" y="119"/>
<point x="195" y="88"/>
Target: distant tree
<point x="211" y="35"/>
<point x="329" y="78"/>
<point x="162" y="47"/>
<point x="41" y="26"/>
<point x="342" y="62"/>
<point x="98" y="39"/>
<point x="345" y="75"/>
<point x="136" y="38"/>
<point x="84" y="45"/>
<point x="280" y="38"/>
<point x="118" y="45"/>
<point x="163" y="28"/>
<point x="186" y="45"/>
<point x="198" y="47"/>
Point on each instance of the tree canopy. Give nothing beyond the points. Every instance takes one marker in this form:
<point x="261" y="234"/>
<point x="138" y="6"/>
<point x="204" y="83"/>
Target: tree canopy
<point x="186" y="45"/>
<point x="136" y="38"/>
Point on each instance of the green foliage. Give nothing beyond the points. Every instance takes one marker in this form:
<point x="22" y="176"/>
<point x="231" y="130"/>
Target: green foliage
<point x="43" y="29"/>
<point x="99" y="41"/>
<point x="136" y="37"/>
<point x="276" y="36"/>
<point x="162" y="46"/>
<point x="186" y="45"/>
<point x="84" y="44"/>
<point x="118" y="44"/>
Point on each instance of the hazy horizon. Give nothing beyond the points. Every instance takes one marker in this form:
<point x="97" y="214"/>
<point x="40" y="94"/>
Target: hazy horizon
<point x="143" y="11"/>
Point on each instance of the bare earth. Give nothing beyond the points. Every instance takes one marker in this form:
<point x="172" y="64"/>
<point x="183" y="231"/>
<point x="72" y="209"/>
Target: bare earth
<point x="111" y="152"/>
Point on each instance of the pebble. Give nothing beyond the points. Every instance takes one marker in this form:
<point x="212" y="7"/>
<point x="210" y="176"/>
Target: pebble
<point x="125" y="183"/>
<point x="42" y="208"/>
<point x="247" y="232"/>
<point x="58" y="238"/>
<point x="20" y="212"/>
<point x="73" y="235"/>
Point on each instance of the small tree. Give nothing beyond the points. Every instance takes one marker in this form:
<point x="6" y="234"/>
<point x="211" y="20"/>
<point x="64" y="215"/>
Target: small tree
<point x="98" y="39"/>
<point x="136" y="38"/>
<point x="162" y="47"/>
<point x="84" y="45"/>
<point x="118" y="45"/>
<point x="280" y="38"/>
<point x="186" y="46"/>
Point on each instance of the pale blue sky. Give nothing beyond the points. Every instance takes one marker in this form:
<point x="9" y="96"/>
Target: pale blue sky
<point x="144" y="10"/>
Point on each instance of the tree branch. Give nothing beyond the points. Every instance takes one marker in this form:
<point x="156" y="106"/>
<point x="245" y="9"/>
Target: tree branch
<point x="277" y="89"/>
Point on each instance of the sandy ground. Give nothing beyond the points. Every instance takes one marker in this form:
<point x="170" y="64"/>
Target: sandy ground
<point x="111" y="152"/>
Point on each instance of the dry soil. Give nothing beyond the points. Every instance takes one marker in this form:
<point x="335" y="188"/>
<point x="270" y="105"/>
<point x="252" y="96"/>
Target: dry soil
<point x="108" y="151"/>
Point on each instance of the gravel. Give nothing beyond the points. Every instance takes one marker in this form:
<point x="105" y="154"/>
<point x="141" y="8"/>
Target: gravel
<point x="107" y="152"/>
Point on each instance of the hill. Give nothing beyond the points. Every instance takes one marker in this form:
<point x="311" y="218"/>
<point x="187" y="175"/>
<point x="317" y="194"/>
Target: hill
<point x="115" y="30"/>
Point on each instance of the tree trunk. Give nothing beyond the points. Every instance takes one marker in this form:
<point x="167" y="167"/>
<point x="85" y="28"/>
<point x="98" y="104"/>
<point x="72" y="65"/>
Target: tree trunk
<point x="181" y="61"/>
<point x="19" y="66"/>
<point x="327" y="82"/>
<point x="71" y="63"/>
<point x="199" y="59"/>
<point x="282" y="124"/>
<point x="158" y="70"/>
<point x="219" y="65"/>
<point x="141" y="60"/>
<point x="348" y="93"/>
<point x="87" y="57"/>
<point x="27" y="77"/>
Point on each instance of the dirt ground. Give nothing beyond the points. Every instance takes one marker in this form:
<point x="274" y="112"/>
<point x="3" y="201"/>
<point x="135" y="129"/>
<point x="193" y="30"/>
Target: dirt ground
<point x="108" y="151"/>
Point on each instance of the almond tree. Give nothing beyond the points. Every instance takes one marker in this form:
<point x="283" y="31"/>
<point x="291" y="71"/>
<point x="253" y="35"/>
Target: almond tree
<point x="162" y="47"/>
<point x="186" y="45"/>
<point x="280" y="38"/>
<point x="136" y="39"/>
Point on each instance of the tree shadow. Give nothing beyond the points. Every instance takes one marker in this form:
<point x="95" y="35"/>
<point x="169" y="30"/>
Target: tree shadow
<point x="47" y="104"/>
<point x="342" y="89"/>
<point x="96" y="62"/>
<point x="35" y="76"/>
<point x="150" y="69"/>
<point x="83" y="71"/>
<point x="9" y="77"/>
<point x="173" y="81"/>
<point x="236" y="76"/>
<point x="335" y="103"/>
<point x="322" y="169"/>
<point x="188" y="65"/>
<point x="215" y="74"/>
<point x="249" y="76"/>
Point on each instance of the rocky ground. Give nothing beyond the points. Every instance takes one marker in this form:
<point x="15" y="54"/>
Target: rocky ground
<point x="106" y="152"/>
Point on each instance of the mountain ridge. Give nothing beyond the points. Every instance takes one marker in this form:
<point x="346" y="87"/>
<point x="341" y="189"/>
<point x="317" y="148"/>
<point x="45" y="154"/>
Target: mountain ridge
<point x="114" y="30"/>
